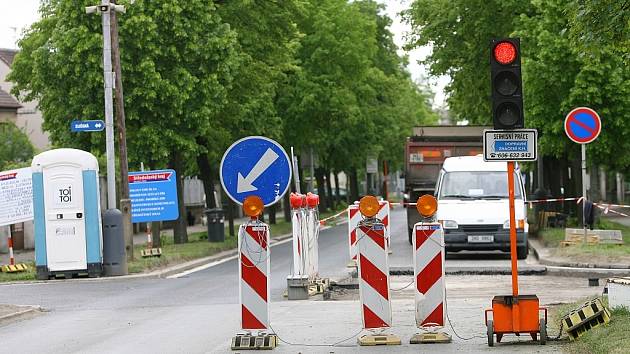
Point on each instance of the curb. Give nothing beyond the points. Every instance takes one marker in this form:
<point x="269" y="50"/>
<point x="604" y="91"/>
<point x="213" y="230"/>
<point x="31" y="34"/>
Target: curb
<point x="545" y="261"/>
<point x="522" y="270"/>
<point x="579" y="268"/>
<point x="161" y="273"/>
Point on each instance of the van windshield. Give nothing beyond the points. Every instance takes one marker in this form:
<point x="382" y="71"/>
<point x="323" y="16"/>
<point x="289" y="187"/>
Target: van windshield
<point x="477" y="185"/>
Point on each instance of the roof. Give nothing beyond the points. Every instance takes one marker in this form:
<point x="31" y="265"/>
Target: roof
<point x="473" y="163"/>
<point x="7" y="101"/>
<point x="7" y="55"/>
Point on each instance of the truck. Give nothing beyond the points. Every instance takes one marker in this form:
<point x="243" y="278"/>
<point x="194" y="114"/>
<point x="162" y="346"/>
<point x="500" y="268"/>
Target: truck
<point x="425" y="152"/>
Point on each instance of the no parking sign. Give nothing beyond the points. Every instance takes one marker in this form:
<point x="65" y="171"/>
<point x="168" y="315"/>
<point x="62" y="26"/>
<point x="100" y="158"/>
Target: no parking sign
<point x="582" y="125"/>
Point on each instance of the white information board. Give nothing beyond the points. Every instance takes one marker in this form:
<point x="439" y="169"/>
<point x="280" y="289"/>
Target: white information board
<point x="510" y="145"/>
<point x="16" y="196"/>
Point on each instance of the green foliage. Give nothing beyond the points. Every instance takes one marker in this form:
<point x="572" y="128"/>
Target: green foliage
<point x="16" y="150"/>
<point x="460" y="32"/>
<point x="178" y="59"/>
<point x="351" y="96"/>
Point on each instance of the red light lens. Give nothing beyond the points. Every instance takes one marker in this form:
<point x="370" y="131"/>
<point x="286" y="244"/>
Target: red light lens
<point x="505" y="53"/>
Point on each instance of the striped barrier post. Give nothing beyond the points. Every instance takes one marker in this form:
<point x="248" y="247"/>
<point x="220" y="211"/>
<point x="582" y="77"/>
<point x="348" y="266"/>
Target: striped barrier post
<point x="312" y="225"/>
<point x="373" y="269"/>
<point x="12" y="267"/>
<point x="428" y="261"/>
<point x="297" y="223"/>
<point x="253" y="245"/>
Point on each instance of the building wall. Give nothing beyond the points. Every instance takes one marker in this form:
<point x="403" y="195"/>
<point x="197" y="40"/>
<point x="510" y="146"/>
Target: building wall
<point x="29" y="118"/>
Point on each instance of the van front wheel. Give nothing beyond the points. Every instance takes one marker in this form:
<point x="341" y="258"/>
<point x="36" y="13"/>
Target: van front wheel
<point x="522" y="252"/>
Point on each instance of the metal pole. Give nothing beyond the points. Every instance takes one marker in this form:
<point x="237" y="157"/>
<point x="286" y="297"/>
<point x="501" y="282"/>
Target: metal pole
<point x="109" y="117"/>
<point x="515" y="303"/>
<point x="584" y="189"/>
<point x="311" y="182"/>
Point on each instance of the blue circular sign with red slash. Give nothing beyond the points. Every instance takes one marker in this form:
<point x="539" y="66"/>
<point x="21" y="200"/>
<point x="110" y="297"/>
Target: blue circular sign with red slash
<point x="582" y="125"/>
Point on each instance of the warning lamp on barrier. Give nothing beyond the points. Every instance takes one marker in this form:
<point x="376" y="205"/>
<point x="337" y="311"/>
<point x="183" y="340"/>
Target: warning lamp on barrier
<point x="253" y="206"/>
<point x="295" y="200"/>
<point x="368" y="206"/>
<point x="427" y="205"/>
<point x="506" y="82"/>
<point x="312" y="200"/>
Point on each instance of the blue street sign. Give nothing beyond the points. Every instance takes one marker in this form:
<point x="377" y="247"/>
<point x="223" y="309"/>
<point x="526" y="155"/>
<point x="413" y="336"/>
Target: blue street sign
<point x="255" y="165"/>
<point x="153" y="196"/>
<point x="510" y="146"/>
<point x="87" y="126"/>
<point x="582" y="125"/>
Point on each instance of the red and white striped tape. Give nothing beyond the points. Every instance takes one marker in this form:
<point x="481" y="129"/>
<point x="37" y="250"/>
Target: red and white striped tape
<point x="428" y="259"/>
<point x="373" y="267"/>
<point x="254" y="294"/>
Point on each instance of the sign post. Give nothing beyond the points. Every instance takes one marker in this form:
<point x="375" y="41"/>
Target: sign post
<point x="583" y="125"/>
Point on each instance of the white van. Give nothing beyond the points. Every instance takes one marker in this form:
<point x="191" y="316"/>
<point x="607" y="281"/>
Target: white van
<point x="473" y="205"/>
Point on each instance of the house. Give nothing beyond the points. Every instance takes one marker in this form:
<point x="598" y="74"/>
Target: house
<point x="29" y="118"/>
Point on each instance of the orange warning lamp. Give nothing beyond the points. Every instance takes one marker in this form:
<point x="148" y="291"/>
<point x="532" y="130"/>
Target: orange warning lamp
<point x="253" y="206"/>
<point x="368" y="206"/>
<point x="427" y="205"/>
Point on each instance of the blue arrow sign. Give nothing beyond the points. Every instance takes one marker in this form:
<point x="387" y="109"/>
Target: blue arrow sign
<point x="87" y="126"/>
<point x="258" y="166"/>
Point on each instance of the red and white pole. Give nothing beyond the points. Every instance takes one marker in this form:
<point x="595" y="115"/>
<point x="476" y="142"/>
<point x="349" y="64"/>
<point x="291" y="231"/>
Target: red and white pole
<point x="10" y="244"/>
<point x="312" y="235"/>
<point x="297" y="221"/>
<point x="254" y="270"/>
<point x="376" y="306"/>
<point x="428" y="245"/>
<point x="149" y="237"/>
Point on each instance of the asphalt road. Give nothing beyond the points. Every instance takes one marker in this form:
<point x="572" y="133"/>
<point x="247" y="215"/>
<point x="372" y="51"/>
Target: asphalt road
<point x="199" y="312"/>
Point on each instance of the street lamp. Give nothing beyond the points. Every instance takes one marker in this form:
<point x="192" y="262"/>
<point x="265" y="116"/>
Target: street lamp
<point x="103" y="9"/>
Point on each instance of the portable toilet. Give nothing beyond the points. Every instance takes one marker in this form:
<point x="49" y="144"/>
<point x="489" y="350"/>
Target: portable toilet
<point x="68" y="235"/>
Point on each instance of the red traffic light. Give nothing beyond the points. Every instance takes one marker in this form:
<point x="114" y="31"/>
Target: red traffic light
<point x="505" y="53"/>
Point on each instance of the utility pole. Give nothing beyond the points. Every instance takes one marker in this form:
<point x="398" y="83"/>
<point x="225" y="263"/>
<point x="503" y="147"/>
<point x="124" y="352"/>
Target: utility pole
<point x="125" y="202"/>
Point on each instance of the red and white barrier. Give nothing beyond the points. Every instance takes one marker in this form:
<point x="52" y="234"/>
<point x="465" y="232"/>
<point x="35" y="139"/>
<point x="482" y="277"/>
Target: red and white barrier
<point x="376" y="307"/>
<point x="428" y="259"/>
<point x="254" y="294"/>
<point x="312" y="232"/>
<point x="298" y="230"/>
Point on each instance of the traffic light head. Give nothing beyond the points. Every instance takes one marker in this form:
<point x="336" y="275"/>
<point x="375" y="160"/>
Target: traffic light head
<point x="507" y="88"/>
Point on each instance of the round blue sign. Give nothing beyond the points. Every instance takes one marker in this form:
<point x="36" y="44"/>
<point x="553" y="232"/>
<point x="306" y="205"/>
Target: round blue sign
<point x="255" y="165"/>
<point x="582" y="125"/>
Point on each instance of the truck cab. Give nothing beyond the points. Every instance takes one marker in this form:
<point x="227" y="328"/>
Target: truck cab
<point x="473" y="205"/>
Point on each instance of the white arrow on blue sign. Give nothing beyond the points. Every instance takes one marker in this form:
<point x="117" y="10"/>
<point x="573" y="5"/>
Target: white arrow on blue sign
<point x="255" y="165"/>
<point x="87" y="126"/>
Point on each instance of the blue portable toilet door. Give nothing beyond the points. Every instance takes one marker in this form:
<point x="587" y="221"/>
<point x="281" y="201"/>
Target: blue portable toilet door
<point x="65" y="219"/>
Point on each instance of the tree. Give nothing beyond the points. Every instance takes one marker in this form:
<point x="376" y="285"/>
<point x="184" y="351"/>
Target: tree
<point x="459" y="32"/>
<point x="16" y="150"/>
<point x="178" y="60"/>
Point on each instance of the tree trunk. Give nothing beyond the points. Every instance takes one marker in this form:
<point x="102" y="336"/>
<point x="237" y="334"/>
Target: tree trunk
<point x="180" y="230"/>
<point x="230" y="215"/>
<point x="321" y="188"/>
<point x="156" y="228"/>
<point x="331" y="199"/>
<point x="354" y="186"/>
<point x="272" y="214"/>
<point x="337" y="196"/>
<point x="287" y="206"/>
<point x="206" y="175"/>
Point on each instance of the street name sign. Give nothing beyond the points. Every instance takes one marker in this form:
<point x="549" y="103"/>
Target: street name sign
<point x="510" y="145"/>
<point x="87" y="126"/>
<point x="16" y="196"/>
<point x="582" y="125"/>
<point x="255" y="165"/>
<point x="153" y="196"/>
